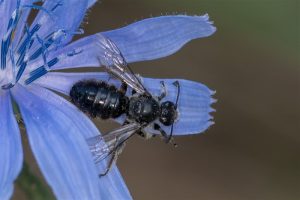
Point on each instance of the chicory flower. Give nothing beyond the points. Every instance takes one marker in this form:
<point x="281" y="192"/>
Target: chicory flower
<point x="57" y="130"/>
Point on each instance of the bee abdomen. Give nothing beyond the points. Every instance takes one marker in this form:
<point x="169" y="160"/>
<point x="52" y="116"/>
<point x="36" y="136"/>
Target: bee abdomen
<point x="98" y="99"/>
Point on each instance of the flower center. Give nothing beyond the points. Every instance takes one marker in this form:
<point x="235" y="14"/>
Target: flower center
<point x="21" y="46"/>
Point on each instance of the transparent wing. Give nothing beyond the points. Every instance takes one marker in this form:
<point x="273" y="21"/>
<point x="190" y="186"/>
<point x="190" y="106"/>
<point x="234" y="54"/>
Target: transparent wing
<point x="102" y="146"/>
<point x="113" y="60"/>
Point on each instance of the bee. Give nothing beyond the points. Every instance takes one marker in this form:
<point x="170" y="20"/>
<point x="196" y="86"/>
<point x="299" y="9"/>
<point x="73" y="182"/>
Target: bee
<point x="103" y="100"/>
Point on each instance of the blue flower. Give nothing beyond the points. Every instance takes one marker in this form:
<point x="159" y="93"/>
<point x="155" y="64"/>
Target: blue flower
<point x="57" y="130"/>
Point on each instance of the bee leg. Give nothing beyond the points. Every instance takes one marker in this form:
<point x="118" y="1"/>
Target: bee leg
<point x="164" y="91"/>
<point x="176" y="83"/>
<point x="113" y="158"/>
<point x="144" y="134"/>
<point x="162" y="132"/>
<point x="164" y="135"/>
<point x="123" y="88"/>
<point x="133" y="92"/>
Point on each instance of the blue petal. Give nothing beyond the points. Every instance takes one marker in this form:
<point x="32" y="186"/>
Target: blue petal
<point x="194" y="101"/>
<point x="63" y="82"/>
<point x="144" y="40"/>
<point x="81" y="53"/>
<point x="194" y="104"/>
<point x="11" y="154"/>
<point x="91" y="3"/>
<point x="110" y="187"/>
<point x="160" y="36"/>
<point x="60" y="15"/>
<point x="59" y="147"/>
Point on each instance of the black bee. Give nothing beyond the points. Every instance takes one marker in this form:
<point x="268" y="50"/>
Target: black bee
<point x="104" y="100"/>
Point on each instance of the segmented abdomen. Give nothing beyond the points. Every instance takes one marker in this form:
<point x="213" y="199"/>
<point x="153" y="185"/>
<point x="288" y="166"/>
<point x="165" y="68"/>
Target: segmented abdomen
<point x="98" y="99"/>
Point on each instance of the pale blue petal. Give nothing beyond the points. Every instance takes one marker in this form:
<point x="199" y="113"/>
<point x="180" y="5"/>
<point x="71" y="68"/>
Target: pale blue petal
<point x="194" y="102"/>
<point x="91" y="3"/>
<point x="60" y="15"/>
<point x="160" y="36"/>
<point x="144" y="40"/>
<point x="59" y="147"/>
<point x="110" y="187"/>
<point x="11" y="154"/>
<point x="63" y="82"/>
<point x="81" y="53"/>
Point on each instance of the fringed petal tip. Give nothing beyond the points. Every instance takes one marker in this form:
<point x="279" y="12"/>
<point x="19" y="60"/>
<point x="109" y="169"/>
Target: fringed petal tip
<point x="194" y="105"/>
<point x="148" y="39"/>
<point x="211" y="110"/>
<point x="206" y="18"/>
<point x="158" y="37"/>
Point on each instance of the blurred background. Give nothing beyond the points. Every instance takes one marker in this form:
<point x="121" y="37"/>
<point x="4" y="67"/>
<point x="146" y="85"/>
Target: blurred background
<point x="252" y="61"/>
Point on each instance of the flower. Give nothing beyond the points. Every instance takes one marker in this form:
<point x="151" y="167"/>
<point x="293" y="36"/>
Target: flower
<point x="57" y="130"/>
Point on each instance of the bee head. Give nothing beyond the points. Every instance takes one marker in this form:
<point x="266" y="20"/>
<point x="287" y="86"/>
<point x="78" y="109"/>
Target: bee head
<point x="169" y="112"/>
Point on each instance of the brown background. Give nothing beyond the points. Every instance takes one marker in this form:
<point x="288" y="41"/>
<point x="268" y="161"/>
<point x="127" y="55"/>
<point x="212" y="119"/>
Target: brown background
<point x="252" y="152"/>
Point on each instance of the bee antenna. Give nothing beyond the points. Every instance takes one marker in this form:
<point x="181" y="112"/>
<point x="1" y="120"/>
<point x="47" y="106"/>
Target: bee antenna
<point x="170" y="137"/>
<point x="176" y="83"/>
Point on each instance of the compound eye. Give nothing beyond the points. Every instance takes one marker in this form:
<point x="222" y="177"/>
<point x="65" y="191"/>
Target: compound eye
<point x="137" y="107"/>
<point x="168" y="113"/>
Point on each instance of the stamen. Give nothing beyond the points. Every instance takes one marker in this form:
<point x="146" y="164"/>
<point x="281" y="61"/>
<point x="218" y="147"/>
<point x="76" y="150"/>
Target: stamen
<point x="57" y="5"/>
<point x="6" y="41"/>
<point x="20" y="61"/>
<point x="10" y="85"/>
<point x="74" y="53"/>
<point x="37" y="73"/>
<point x="36" y="7"/>
<point x="12" y="58"/>
<point x="42" y="49"/>
<point x="28" y="37"/>
<point x="21" y="70"/>
<point x="41" y="71"/>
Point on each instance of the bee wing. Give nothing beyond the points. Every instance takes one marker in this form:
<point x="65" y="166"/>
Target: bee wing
<point x="102" y="146"/>
<point x="113" y="60"/>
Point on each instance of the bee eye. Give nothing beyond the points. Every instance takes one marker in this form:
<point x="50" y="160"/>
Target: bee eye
<point x="168" y="113"/>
